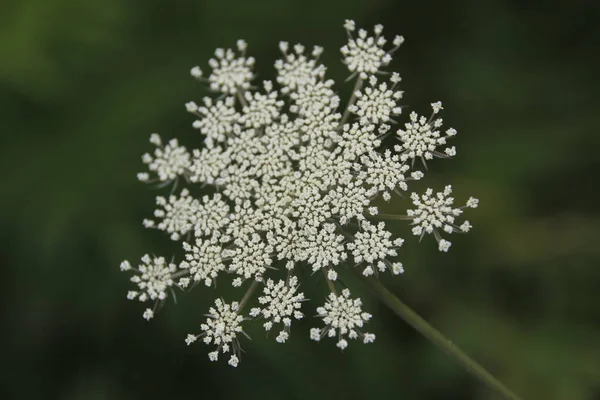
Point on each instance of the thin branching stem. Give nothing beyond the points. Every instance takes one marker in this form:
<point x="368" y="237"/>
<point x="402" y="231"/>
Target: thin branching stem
<point x="423" y="327"/>
<point x="249" y="292"/>
<point x="357" y="86"/>
<point x="392" y="216"/>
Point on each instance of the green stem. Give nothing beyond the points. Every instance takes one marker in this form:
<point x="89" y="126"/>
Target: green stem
<point x="392" y="216"/>
<point x="423" y="327"/>
<point x="329" y="283"/>
<point x="249" y="292"/>
<point x="356" y="88"/>
<point x="241" y="98"/>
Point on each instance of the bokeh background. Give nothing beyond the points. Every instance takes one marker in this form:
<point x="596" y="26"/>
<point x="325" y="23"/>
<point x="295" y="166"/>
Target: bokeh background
<point x="84" y="83"/>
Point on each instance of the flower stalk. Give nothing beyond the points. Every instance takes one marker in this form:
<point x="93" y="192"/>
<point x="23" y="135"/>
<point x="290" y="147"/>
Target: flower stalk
<point x="435" y="336"/>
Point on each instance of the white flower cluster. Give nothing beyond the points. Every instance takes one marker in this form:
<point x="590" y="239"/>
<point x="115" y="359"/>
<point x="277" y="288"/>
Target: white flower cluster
<point x="343" y="316"/>
<point x="435" y="212"/>
<point x="280" y="304"/>
<point x="288" y="179"/>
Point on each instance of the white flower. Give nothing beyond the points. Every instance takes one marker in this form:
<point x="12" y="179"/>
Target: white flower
<point x="208" y="164"/>
<point x="177" y="215"/>
<point x="435" y="213"/>
<point x="287" y="241"/>
<point x="153" y="278"/>
<point x="203" y="260"/>
<point x="376" y="104"/>
<point x="249" y="259"/>
<point x="386" y="172"/>
<point x="217" y="119"/>
<point x="196" y="72"/>
<point x="373" y="245"/>
<point x="314" y="97"/>
<point x="280" y="304"/>
<point x="261" y="109"/>
<point x="244" y="221"/>
<point x="211" y="215"/>
<point x="343" y="318"/>
<point x="148" y="314"/>
<point x="319" y="128"/>
<point x="323" y="246"/>
<point x="296" y="70"/>
<point x="349" y="201"/>
<point x="221" y="328"/>
<point x="358" y="140"/>
<point x="273" y="160"/>
<point x="421" y="137"/>
<point x="238" y="182"/>
<point x="365" y="54"/>
<point x="168" y="161"/>
<point x="349" y="25"/>
<point x="287" y="183"/>
<point x="231" y="73"/>
<point x="310" y="207"/>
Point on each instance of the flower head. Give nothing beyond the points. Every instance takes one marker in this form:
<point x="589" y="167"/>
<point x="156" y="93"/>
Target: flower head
<point x="286" y="183"/>
<point x="365" y="54"/>
<point x="231" y="72"/>
<point x="204" y="261"/>
<point x="168" y="162"/>
<point x="421" y="137"/>
<point x="221" y="329"/>
<point x="435" y="213"/>
<point x="376" y="103"/>
<point x="372" y="246"/>
<point x="153" y="278"/>
<point x="297" y="69"/>
<point x="216" y="120"/>
<point x="343" y="318"/>
<point x="280" y="303"/>
<point x="177" y="215"/>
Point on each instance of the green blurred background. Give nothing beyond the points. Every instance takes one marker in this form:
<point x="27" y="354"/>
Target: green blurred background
<point x="84" y="83"/>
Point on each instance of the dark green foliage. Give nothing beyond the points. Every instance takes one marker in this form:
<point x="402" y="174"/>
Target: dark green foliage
<point x="84" y="83"/>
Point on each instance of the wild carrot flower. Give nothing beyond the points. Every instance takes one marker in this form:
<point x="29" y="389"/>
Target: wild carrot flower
<point x="290" y="181"/>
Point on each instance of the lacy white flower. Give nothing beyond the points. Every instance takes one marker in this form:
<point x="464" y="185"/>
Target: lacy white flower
<point x="208" y="164"/>
<point x="434" y="213"/>
<point x="421" y="137"/>
<point x="280" y="304"/>
<point x="211" y="215"/>
<point x="250" y="259"/>
<point x="177" y="214"/>
<point x="204" y="261"/>
<point x="376" y="104"/>
<point x="343" y="318"/>
<point x="296" y="69"/>
<point x="324" y="247"/>
<point x="358" y="140"/>
<point x="231" y="72"/>
<point x="216" y="119"/>
<point x="168" y="162"/>
<point x="373" y="245"/>
<point x="314" y="97"/>
<point x="349" y="201"/>
<point x="221" y="329"/>
<point x="287" y="181"/>
<point x="365" y="54"/>
<point x="385" y="172"/>
<point x="153" y="279"/>
<point x="261" y="109"/>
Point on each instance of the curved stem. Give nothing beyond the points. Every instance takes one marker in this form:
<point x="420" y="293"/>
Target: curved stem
<point x="423" y="327"/>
